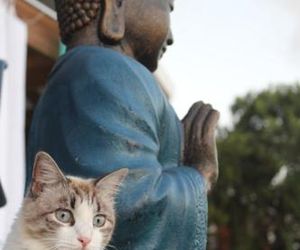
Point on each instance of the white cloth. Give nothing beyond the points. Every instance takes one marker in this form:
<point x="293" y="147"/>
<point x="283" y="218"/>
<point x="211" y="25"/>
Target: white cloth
<point x="13" y="40"/>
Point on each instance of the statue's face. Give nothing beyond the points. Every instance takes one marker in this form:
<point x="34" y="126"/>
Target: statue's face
<point x="148" y="29"/>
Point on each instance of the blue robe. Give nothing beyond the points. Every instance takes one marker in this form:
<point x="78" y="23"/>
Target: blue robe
<point x="102" y="111"/>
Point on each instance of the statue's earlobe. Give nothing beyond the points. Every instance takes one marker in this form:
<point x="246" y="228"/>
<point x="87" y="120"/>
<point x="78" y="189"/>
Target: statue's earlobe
<point x="112" y="26"/>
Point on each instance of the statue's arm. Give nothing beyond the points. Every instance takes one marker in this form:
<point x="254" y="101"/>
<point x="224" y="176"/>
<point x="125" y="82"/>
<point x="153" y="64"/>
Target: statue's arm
<point x="111" y="132"/>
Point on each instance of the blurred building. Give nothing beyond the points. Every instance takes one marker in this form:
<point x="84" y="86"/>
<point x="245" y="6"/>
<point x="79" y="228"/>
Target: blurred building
<point x="43" y="47"/>
<point x="13" y="48"/>
<point x="29" y="45"/>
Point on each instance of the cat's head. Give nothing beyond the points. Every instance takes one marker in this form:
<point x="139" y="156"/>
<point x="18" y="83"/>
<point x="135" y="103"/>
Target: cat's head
<point x="63" y="212"/>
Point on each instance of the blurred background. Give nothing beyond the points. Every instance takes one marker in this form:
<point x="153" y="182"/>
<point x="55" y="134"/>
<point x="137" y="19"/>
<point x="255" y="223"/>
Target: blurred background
<point x="242" y="56"/>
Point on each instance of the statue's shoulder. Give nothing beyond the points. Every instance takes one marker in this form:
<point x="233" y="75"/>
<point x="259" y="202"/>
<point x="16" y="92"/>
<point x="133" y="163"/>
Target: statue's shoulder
<point x="103" y="67"/>
<point x="92" y="65"/>
<point x="88" y="71"/>
<point x="96" y="61"/>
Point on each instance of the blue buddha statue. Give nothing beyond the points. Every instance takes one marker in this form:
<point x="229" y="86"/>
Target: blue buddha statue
<point x="103" y="110"/>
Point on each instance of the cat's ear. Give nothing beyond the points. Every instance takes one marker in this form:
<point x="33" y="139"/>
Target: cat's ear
<point x="45" y="172"/>
<point x="109" y="185"/>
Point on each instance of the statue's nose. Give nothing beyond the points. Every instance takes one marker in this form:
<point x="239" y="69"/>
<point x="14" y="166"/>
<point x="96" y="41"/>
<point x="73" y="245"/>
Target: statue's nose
<point x="170" y="39"/>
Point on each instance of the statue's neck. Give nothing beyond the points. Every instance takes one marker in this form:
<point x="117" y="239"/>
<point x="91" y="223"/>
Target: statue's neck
<point x="122" y="47"/>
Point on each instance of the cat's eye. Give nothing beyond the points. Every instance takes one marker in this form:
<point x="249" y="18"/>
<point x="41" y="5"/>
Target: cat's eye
<point x="99" y="220"/>
<point x="64" y="216"/>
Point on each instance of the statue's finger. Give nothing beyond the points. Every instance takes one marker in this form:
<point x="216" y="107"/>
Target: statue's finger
<point x="212" y="177"/>
<point x="211" y="124"/>
<point x="189" y="118"/>
<point x="193" y="111"/>
<point x="197" y="126"/>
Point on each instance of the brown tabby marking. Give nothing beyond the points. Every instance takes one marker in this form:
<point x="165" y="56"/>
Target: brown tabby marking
<point x="81" y="201"/>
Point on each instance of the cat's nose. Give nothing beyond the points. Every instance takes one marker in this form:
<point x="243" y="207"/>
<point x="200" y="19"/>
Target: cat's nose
<point x="84" y="240"/>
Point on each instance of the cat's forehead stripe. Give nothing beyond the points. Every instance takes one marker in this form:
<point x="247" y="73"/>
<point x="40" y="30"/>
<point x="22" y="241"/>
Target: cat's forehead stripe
<point x="82" y="184"/>
<point x="98" y="207"/>
<point x="73" y="201"/>
<point x="82" y="190"/>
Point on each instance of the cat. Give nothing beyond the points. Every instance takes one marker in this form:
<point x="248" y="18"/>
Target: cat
<point x="64" y="212"/>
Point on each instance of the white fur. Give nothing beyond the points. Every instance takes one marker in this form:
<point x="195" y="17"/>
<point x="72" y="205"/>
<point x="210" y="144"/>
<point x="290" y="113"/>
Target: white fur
<point x="19" y="240"/>
<point x="66" y="236"/>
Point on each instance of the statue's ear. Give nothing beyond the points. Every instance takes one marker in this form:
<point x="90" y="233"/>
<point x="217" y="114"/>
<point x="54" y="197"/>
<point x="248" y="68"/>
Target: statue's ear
<point x="112" y="26"/>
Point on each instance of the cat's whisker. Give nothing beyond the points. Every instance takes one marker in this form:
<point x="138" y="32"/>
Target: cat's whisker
<point x="54" y="245"/>
<point x="92" y="247"/>
<point x="52" y="248"/>
<point x="66" y="246"/>
<point x="111" y="246"/>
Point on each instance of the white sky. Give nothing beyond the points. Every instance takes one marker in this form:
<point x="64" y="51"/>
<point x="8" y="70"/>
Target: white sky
<point x="223" y="49"/>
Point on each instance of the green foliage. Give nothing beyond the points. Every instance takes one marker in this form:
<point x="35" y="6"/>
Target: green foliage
<point x="265" y="140"/>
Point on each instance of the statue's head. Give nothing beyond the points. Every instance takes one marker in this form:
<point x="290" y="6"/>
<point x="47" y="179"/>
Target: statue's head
<point x="137" y="28"/>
